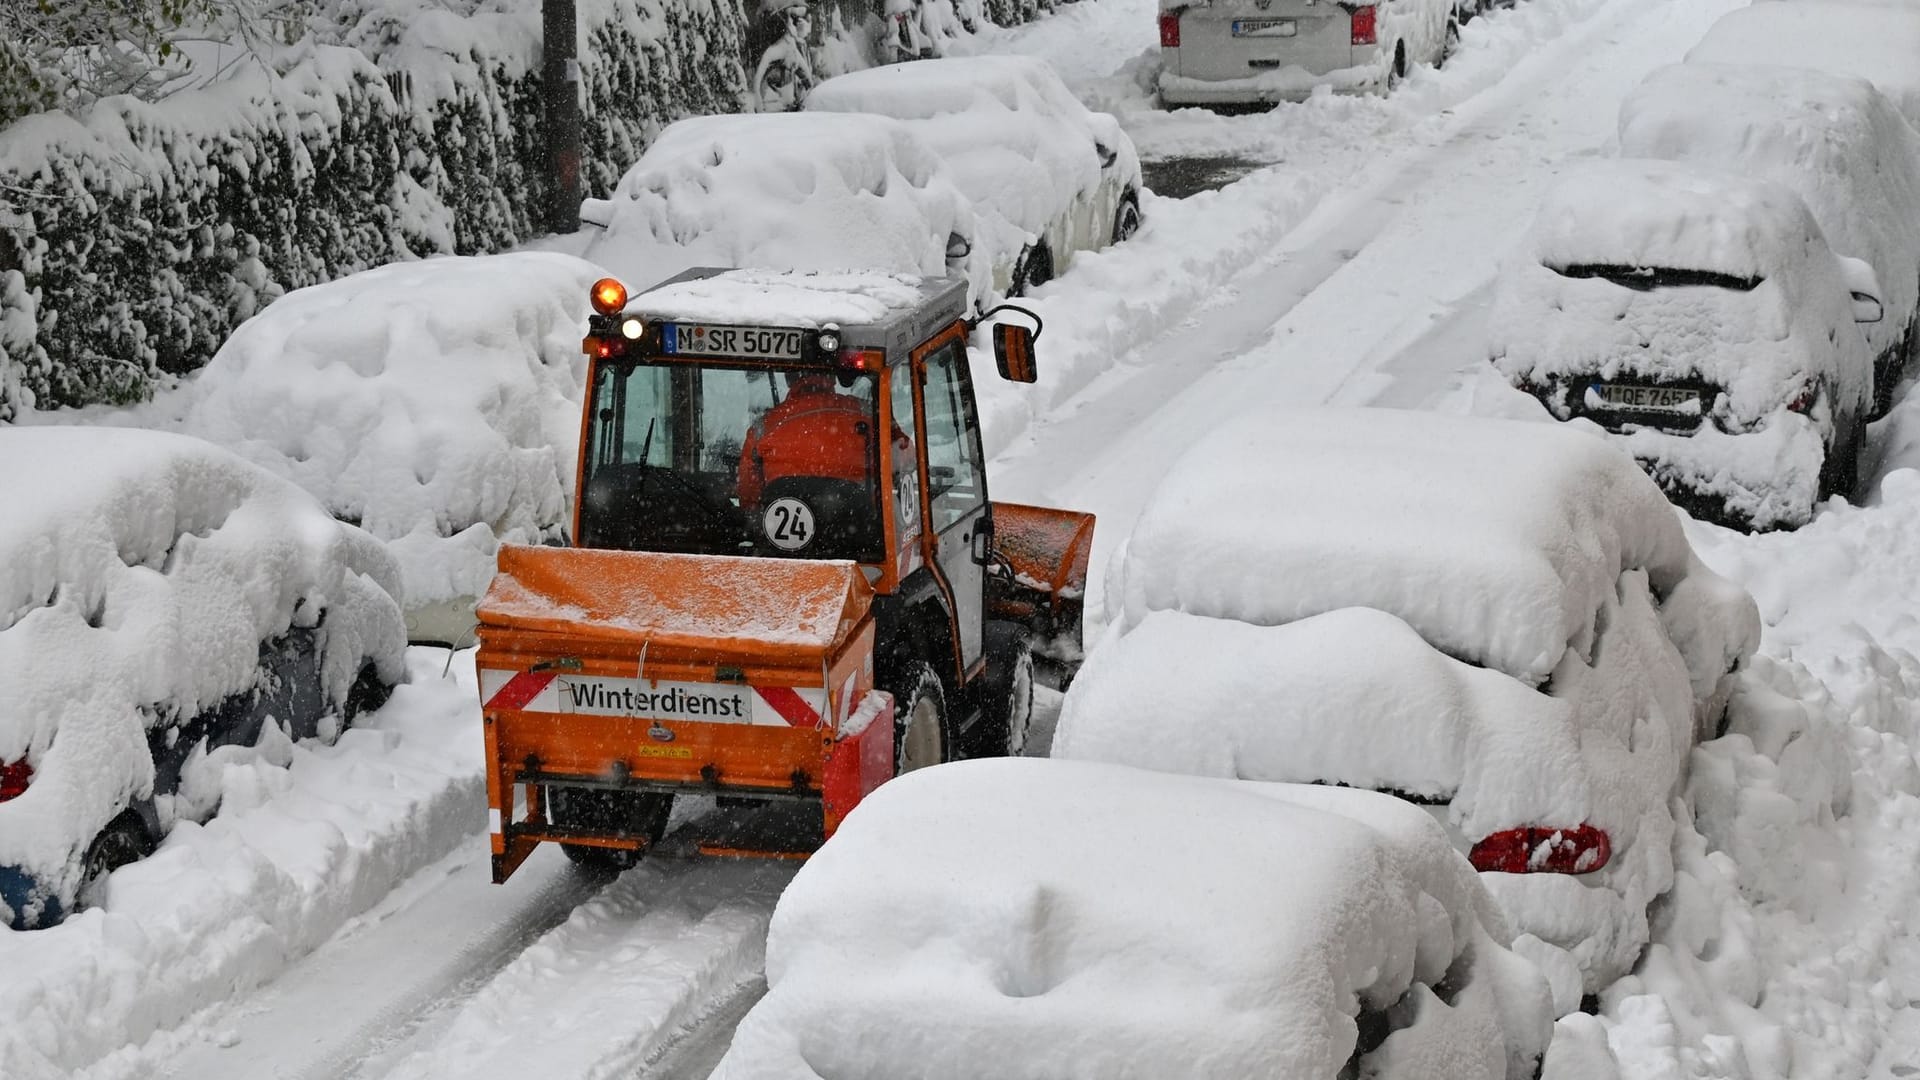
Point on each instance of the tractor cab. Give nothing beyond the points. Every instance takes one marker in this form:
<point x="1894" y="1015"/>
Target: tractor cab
<point x="786" y="583"/>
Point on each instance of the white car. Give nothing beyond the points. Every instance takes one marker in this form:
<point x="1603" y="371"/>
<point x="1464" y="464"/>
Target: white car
<point x="1876" y="42"/>
<point x="1701" y="319"/>
<point x="161" y="599"/>
<point x="786" y="191"/>
<point x="1835" y="141"/>
<point x="1025" y="919"/>
<point x="1237" y="52"/>
<point x="1502" y="620"/>
<point x="1047" y="177"/>
<point x="434" y="403"/>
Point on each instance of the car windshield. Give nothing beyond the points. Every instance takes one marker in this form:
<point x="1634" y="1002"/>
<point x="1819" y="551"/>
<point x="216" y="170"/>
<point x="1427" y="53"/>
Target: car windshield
<point x="1648" y="278"/>
<point x="732" y="460"/>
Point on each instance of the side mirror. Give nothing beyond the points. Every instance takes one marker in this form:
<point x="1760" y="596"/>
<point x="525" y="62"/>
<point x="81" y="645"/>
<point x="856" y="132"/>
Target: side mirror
<point x="596" y="212"/>
<point x="1013" y="351"/>
<point x="1864" y="284"/>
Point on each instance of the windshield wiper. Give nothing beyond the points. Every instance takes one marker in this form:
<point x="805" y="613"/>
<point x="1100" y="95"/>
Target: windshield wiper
<point x="1648" y="278"/>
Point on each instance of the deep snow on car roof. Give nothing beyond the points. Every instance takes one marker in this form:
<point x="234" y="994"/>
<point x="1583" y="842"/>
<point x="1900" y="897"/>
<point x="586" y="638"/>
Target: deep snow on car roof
<point x="1662" y="214"/>
<point x="1879" y="43"/>
<point x="1497" y="540"/>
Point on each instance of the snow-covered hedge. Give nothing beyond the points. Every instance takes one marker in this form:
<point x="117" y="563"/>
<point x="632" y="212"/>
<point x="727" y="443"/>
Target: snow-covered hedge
<point x="133" y="240"/>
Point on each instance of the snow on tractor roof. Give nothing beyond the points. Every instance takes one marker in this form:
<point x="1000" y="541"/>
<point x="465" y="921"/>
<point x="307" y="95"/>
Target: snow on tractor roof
<point x="808" y="299"/>
<point x="139" y="573"/>
<point x="1077" y="919"/>
<point x="1497" y="540"/>
<point x="1875" y="42"/>
<point x="795" y="191"/>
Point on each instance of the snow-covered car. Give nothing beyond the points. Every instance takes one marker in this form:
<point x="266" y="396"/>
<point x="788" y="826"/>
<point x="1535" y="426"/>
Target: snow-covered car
<point x="435" y="404"/>
<point x="1835" y="141"/>
<point x="1876" y="42"/>
<point x="786" y="191"/>
<point x="1231" y="52"/>
<point x="1047" y="177"/>
<point x="161" y="599"/>
<point x="1701" y="318"/>
<point x="1026" y="919"/>
<point x="1497" y="618"/>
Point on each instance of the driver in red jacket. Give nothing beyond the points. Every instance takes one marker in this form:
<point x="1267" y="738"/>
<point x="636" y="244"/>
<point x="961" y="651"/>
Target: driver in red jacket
<point x="813" y="431"/>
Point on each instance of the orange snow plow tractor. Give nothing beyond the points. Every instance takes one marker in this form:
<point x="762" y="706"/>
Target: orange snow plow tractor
<point x="787" y="583"/>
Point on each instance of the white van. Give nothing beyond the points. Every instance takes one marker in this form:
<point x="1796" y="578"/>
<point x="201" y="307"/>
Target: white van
<point x="1263" y="51"/>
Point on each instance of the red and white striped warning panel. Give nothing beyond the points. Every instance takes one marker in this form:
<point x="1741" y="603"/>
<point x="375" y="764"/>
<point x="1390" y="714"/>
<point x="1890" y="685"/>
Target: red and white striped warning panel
<point x="595" y="695"/>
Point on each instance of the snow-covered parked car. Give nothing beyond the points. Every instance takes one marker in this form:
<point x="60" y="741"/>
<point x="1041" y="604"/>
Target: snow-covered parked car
<point x="1497" y="618"/>
<point x="435" y="404"/>
<point x="1047" y="177"/>
<point x="1701" y="318"/>
<point x="1836" y="141"/>
<point x="786" y="191"/>
<point x="1233" y="52"/>
<point x="1876" y="42"/>
<point x="160" y="599"/>
<point x="1026" y="919"/>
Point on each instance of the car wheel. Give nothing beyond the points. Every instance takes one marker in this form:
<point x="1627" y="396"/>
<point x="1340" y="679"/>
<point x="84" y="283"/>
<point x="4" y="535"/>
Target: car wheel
<point x="1126" y="220"/>
<point x="632" y="813"/>
<point x="1397" y="74"/>
<point x="1840" y="472"/>
<point x="1451" y="43"/>
<point x="919" y="719"/>
<point x="1035" y="270"/>
<point x="1005" y="693"/>
<point x="368" y="693"/>
<point x="124" y="840"/>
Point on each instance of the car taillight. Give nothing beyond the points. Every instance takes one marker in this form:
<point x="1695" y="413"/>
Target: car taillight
<point x="14" y="779"/>
<point x="1169" y="30"/>
<point x="1363" y="25"/>
<point x="1803" y="401"/>
<point x="1579" y="850"/>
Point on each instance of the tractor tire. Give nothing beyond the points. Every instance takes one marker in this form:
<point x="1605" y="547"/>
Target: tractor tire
<point x="1005" y="694"/>
<point x="367" y="694"/>
<point x="1034" y="270"/>
<point x="642" y="814"/>
<point x="1840" y="472"/>
<point x="124" y="840"/>
<point x="922" y="735"/>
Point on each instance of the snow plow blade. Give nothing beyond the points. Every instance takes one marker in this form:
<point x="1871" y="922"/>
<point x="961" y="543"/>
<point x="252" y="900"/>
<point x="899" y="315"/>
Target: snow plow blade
<point x="1043" y="555"/>
<point x="633" y="675"/>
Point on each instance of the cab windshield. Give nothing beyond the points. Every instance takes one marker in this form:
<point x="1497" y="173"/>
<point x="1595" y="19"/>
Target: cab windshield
<point x="723" y="459"/>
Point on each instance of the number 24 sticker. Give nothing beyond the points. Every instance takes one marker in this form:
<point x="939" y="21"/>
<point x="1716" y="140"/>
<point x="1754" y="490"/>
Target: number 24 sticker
<point x="788" y="523"/>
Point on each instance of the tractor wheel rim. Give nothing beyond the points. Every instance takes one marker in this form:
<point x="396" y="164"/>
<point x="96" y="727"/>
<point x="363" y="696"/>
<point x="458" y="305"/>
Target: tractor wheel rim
<point x="920" y="747"/>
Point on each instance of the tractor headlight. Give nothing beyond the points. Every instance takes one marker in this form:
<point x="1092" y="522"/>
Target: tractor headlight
<point x="631" y="329"/>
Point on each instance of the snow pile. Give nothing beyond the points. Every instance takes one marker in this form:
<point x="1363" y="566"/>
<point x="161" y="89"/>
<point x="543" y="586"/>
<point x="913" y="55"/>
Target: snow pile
<point x="1020" y="146"/>
<point x="1157" y="926"/>
<point x="784" y="192"/>
<point x="307" y="837"/>
<point x="783" y="298"/>
<point x="436" y="404"/>
<point x="1836" y="142"/>
<point x="1523" y="531"/>
<point x="139" y="574"/>
<point x="1875" y="42"/>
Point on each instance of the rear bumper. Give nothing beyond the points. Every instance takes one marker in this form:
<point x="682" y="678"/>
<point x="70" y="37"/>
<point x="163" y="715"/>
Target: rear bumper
<point x="1290" y="83"/>
<point x="1758" y="480"/>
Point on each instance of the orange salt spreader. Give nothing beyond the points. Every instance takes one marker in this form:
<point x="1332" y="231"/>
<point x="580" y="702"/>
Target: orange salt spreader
<point x="787" y="583"/>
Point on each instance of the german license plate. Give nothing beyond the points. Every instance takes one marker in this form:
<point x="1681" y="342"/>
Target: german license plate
<point x="745" y="342"/>
<point x="1265" y="28"/>
<point x="1661" y="399"/>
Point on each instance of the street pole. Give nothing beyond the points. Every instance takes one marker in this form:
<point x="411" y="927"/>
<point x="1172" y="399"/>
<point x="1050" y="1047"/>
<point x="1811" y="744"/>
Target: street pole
<point x="560" y="84"/>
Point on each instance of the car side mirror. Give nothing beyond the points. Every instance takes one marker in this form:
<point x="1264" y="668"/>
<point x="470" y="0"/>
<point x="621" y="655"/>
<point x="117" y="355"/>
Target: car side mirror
<point x="1864" y="284"/>
<point x="1867" y="308"/>
<point x="596" y="212"/>
<point x="1013" y="351"/>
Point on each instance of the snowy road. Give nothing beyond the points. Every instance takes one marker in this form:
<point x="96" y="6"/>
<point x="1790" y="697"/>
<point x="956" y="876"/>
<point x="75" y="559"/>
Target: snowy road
<point x="1355" y="271"/>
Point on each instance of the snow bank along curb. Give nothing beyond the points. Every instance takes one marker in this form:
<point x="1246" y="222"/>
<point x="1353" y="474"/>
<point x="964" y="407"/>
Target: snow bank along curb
<point x="153" y="229"/>
<point x="294" y="853"/>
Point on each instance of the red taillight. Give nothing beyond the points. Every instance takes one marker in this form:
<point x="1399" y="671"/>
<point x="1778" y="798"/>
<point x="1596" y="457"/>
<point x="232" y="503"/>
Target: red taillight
<point x="1580" y="850"/>
<point x="1803" y="402"/>
<point x="1169" y="30"/>
<point x="1363" y="25"/>
<point x="14" y="779"/>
